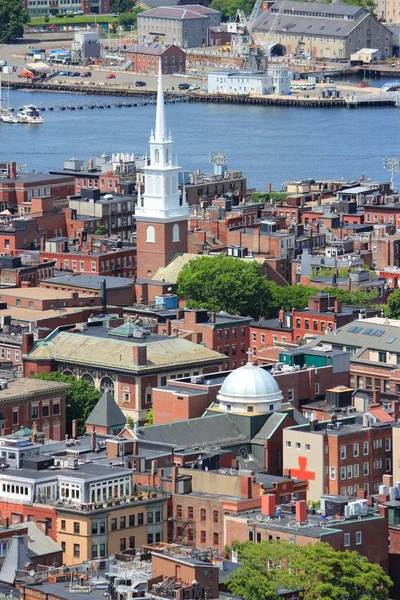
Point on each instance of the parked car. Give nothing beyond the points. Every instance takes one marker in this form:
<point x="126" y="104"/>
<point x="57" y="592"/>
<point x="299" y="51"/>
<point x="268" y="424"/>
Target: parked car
<point x="110" y="76"/>
<point x="194" y="87"/>
<point x="184" y="86"/>
<point x="86" y="74"/>
<point x="75" y="74"/>
<point x="140" y="84"/>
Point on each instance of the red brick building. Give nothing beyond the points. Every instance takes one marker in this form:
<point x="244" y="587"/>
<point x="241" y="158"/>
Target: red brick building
<point x="33" y="403"/>
<point x="19" y="190"/>
<point x="146" y="58"/>
<point x="120" y="291"/>
<point x="120" y="262"/>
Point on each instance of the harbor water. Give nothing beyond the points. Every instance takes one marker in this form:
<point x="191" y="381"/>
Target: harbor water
<point x="270" y="144"/>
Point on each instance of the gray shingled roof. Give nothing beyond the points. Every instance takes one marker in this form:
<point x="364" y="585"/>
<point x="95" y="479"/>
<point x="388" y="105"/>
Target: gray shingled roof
<point x="191" y="11"/>
<point x="311" y="19"/>
<point x="106" y="413"/>
<point x="269" y="427"/>
<point x="209" y="431"/>
<point x="16" y="560"/>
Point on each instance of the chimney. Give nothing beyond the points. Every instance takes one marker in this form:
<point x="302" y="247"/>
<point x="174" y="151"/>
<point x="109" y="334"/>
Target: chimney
<point x="301" y="511"/>
<point x="103" y="293"/>
<point x="168" y="326"/>
<point x="213" y="317"/>
<point x="180" y="313"/>
<point x="395" y="406"/>
<point x="93" y="440"/>
<point x="268" y="505"/>
<point x="42" y="240"/>
<point x="27" y="342"/>
<point x="376" y="396"/>
<point x="281" y="315"/>
<point x="337" y="305"/>
<point x="74" y="429"/>
<point x="361" y="493"/>
<point x="139" y="355"/>
<point x="387" y="480"/>
<point x="34" y="433"/>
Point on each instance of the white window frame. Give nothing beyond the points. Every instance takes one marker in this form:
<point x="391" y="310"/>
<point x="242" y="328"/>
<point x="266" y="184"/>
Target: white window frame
<point x="347" y="540"/>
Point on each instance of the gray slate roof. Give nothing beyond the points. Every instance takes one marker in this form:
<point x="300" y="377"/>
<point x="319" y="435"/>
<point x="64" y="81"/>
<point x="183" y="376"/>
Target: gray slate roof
<point x="91" y="281"/>
<point x="17" y="559"/>
<point x="106" y="413"/>
<point x="209" y="431"/>
<point x="269" y="427"/>
<point x="311" y="19"/>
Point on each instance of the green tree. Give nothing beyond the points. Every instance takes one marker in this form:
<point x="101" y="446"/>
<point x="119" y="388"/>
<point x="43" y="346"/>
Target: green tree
<point x="12" y="20"/>
<point x="101" y="230"/>
<point x="355" y="298"/>
<point x="81" y="398"/>
<point x="229" y="8"/>
<point x="129" y="19"/>
<point x="393" y="305"/>
<point x="224" y="283"/>
<point x="149" y="418"/>
<point x="288" y="297"/>
<point x="122" y="6"/>
<point x="319" y="570"/>
<point x="46" y="18"/>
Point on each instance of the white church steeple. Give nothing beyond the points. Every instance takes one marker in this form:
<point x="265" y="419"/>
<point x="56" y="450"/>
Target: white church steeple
<point x="161" y="200"/>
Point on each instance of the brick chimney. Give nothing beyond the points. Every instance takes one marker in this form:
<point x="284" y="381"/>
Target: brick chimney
<point x="246" y="484"/>
<point x="168" y="327"/>
<point x="376" y="396"/>
<point x="301" y="511"/>
<point x="74" y="429"/>
<point x="34" y="433"/>
<point x="337" y="305"/>
<point x="93" y="440"/>
<point x="213" y="317"/>
<point x="139" y="355"/>
<point x="395" y="406"/>
<point x="27" y="342"/>
<point x="268" y="505"/>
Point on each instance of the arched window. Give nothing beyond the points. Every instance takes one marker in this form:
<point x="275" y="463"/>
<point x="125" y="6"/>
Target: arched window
<point x="150" y="234"/>
<point x="67" y="372"/>
<point x="107" y="384"/>
<point x="88" y="378"/>
<point x="175" y="233"/>
<point x="157" y="155"/>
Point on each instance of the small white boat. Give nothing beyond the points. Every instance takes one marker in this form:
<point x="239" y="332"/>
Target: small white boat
<point x="8" y="117"/>
<point x="29" y="114"/>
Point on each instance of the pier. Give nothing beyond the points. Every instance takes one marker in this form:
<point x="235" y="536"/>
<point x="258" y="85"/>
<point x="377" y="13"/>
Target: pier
<point x="143" y="97"/>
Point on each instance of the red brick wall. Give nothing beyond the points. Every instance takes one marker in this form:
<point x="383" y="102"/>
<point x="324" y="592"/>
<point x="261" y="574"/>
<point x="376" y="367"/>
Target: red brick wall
<point x="10" y="510"/>
<point x="151" y="256"/>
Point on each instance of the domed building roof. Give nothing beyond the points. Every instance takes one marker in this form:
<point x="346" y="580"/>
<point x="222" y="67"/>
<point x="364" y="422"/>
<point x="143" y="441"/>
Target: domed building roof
<point x="250" y="389"/>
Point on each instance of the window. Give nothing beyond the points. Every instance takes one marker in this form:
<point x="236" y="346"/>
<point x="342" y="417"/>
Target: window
<point x="317" y="388"/>
<point x="190" y="512"/>
<point x="253" y="337"/>
<point x="365" y="448"/>
<point x="215" y="539"/>
<point x="342" y="473"/>
<point x="366" y="468"/>
<point x="346" y="540"/>
<point x="332" y="473"/>
<point x="382" y="357"/>
<point x="131" y="520"/>
<point x="290" y="395"/>
<point x="215" y="516"/>
<point x="94" y="551"/>
<point x="203" y="537"/>
<point x="150" y="518"/>
<point x="356" y="450"/>
<point x="356" y="471"/>
<point x="122" y="544"/>
<point x="203" y="514"/>
<point x="95" y="528"/>
<point x="388" y="444"/>
<point x="349" y="471"/>
<point x="388" y="465"/>
<point x="77" y="527"/>
<point x="150" y="234"/>
<point x="308" y="447"/>
<point x="288" y="444"/>
<point x="56" y="409"/>
<point x="77" y="551"/>
<point x="175" y="233"/>
<point x="342" y="452"/>
<point x="113" y="524"/>
<point x="45" y="410"/>
<point x="15" y="417"/>
<point x="63" y="546"/>
<point x="63" y="525"/>
<point x="358" y="538"/>
<point x="122" y="522"/>
<point x="140" y="519"/>
<point x="35" y="412"/>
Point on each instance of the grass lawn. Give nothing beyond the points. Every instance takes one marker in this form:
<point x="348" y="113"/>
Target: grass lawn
<point x="77" y="20"/>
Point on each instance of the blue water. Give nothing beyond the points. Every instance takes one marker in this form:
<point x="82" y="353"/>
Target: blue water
<point x="269" y="144"/>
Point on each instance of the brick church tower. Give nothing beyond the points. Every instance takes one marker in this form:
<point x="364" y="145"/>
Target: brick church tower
<point x="162" y="212"/>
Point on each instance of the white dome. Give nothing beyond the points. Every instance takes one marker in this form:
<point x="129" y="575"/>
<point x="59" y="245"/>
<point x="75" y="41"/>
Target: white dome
<point x="250" y="389"/>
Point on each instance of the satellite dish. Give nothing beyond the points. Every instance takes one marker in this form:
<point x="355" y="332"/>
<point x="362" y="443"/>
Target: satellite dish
<point x="31" y="573"/>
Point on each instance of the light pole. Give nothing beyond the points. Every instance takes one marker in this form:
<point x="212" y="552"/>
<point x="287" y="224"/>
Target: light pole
<point x="392" y="165"/>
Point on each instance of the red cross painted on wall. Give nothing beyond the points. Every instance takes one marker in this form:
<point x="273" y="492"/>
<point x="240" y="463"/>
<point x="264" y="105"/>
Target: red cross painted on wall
<point x="301" y="472"/>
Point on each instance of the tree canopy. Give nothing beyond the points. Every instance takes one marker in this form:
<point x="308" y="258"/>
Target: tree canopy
<point x="318" y="570"/>
<point x="121" y="6"/>
<point x="129" y="19"/>
<point x="12" y="20"/>
<point x="393" y="305"/>
<point x="224" y="283"/>
<point x="81" y="398"/>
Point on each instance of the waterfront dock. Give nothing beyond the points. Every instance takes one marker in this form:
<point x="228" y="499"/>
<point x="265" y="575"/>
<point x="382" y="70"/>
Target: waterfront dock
<point x="352" y="100"/>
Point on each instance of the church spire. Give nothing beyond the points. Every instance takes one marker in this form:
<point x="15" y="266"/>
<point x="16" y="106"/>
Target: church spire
<point x="160" y="134"/>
